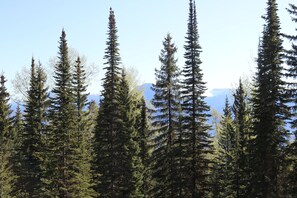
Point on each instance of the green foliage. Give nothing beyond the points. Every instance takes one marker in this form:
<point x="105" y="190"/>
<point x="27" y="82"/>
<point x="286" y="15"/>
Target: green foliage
<point x="63" y="166"/>
<point x="291" y="60"/>
<point x="145" y="149"/>
<point x="31" y="143"/>
<point x="269" y="109"/>
<point x="108" y="121"/>
<point x="17" y="157"/>
<point x="83" y="132"/>
<point x="132" y="164"/>
<point x="7" y="177"/>
<point x="64" y="146"/>
<point x="117" y="163"/>
<point x="231" y="171"/>
<point x="243" y="138"/>
<point x="225" y="162"/>
<point x="165" y="122"/>
<point x="195" y="114"/>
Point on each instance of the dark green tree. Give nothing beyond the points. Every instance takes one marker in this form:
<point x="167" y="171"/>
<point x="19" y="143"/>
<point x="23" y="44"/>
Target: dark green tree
<point x="7" y="176"/>
<point x="145" y="149"/>
<point x="269" y="109"/>
<point x="83" y="131"/>
<point x="63" y="167"/>
<point x="291" y="60"/>
<point x="225" y="162"/>
<point x="195" y="113"/>
<point x="105" y="163"/>
<point x="18" y="129"/>
<point x="117" y="164"/>
<point x="32" y="146"/>
<point x="130" y="160"/>
<point x="242" y="122"/>
<point x="165" y="122"/>
<point x="92" y="114"/>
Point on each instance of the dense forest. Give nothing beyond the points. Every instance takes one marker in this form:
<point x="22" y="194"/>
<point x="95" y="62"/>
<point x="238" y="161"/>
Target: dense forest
<point x="60" y="144"/>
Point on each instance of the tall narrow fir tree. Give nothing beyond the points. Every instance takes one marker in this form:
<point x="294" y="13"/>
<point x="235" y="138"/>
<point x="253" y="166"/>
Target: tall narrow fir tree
<point x="82" y="130"/>
<point x="195" y="113"/>
<point x="291" y="60"/>
<point x="108" y="121"/>
<point x="32" y="145"/>
<point x="117" y="164"/>
<point x="165" y="121"/>
<point x="7" y="176"/>
<point x="270" y="110"/>
<point x="64" y="163"/>
<point x="242" y="122"/>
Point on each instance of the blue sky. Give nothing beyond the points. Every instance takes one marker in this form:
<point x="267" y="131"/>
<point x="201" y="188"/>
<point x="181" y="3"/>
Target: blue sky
<point x="229" y="32"/>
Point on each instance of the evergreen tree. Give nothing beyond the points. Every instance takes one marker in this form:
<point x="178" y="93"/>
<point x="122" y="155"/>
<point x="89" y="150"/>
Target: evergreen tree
<point x="30" y="180"/>
<point x="226" y="156"/>
<point x="130" y="160"/>
<point x="270" y="110"/>
<point x="82" y="124"/>
<point x="242" y="121"/>
<point x="63" y="167"/>
<point x="7" y="177"/>
<point x="291" y="60"/>
<point x="165" y="121"/>
<point x="195" y="114"/>
<point x="107" y="128"/>
<point x="18" y="127"/>
<point x="92" y="114"/>
<point x="145" y="150"/>
<point x="17" y="157"/>
<point x="117" y="164"/>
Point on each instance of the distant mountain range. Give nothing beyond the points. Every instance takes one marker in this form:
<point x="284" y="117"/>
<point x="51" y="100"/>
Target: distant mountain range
<point x="215" y="101"/>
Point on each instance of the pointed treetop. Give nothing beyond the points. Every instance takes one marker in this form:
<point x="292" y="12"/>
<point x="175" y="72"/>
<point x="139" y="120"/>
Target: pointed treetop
<point x="2" y="80"/>
<point x="227" y="109"/>
<point x="32" y="65"/>
<point x="63" y="34"/>
<point x="111" y="12"/>
<point x="78" y="60"/>
<point x="191" y="6"/>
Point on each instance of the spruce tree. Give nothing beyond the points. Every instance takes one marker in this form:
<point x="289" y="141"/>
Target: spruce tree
<point x="17" y="127"/>
<point x="17" y="157"/>
<point x="107" y="128"/>
<point x="145" y="149"/>
<point x="7" y="176"/>
<point x="195" y="113"/>
<point x="165" y="121"/>
<point x="92" y="114"/>
<point x="82" y="127"/>
<point x="291" y="60"/>
<point x="130" y="160"/>
<point x="269" y="109"/>
<point x="32" y="146"/>
<point x="226" y="156"/>
<point x="117" y="165"/>
<point x="242" y="122"/>
<point x="63" y="167"/>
